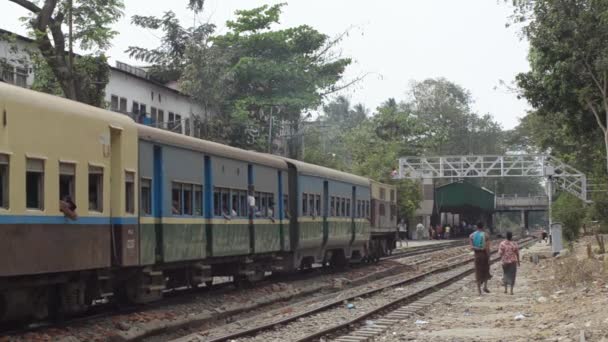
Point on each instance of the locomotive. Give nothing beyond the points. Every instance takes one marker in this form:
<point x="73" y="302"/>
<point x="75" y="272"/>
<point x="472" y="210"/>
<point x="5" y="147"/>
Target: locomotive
<point x="148" y="210"/>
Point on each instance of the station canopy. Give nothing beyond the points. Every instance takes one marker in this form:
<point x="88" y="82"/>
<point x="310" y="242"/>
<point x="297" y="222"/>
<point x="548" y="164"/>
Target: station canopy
<point x="464" y="197"/>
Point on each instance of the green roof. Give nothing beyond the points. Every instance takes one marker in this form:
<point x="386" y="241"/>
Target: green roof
<point x="457" y="196"/>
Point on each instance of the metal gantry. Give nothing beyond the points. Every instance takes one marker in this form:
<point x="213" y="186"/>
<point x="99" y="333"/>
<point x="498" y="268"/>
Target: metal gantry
<point x="476" y="166"/>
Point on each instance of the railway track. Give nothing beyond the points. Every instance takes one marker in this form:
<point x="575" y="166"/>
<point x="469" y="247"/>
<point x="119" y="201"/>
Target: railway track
<point x="173" y="296"/>
<point x="310" y="322"/>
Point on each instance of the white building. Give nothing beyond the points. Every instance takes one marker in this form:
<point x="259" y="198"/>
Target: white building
<point x="129" y="90"/>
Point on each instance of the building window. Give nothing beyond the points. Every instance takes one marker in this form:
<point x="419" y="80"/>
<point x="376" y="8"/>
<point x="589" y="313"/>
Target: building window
<point x="171" y="123"/>
<point x="392" y="195"/>
<point x="152" y="95"/>
<point x="153" y="116"/>
<point x="382" y="194"/>
<point x="34" y="184"/>
<point x="4" y="184"/>
<point x="130" y="192"/>
<point x="161" y="119"/>
<point x="142" y="109"/>
<point x="178" y="123"/>
<point x="145" y="199"/>
<point x="123" y="105"/>
<point x="381" y="209"/>
<point x="187" y="126"/>
<point x="7" y="72"/>
<point x="96" y="188"/>
<point x="135" y="108"/>
<point x="67" y="181"/>
<point x="21" y="77"/>
<point x="114" y="103"/>
<point x="198" y="200"/>
<point x="159" y="99"/>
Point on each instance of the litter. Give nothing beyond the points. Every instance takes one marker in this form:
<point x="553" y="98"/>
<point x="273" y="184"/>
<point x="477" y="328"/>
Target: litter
<point x="350" y="306"/>
<point x="420" y="322"/>
<point x="519" y="317"/>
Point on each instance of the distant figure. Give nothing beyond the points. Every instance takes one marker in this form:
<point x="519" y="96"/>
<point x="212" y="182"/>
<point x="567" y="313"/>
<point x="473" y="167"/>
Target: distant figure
<point x="402" y="229"/>
<point x="480" y="243"/>
<point x="509" y="253"/>
<point x="447" y="231"/>
<point x="439" y="232"/>
<point x="68" y="208"/>
<point x="431" y="233"/>
<point x="251" y="203"/>
<point x="419" y="231"/>
<point x="544" y="235"/>
<point x="226" y="213"/>
<point x="270" y="212"/>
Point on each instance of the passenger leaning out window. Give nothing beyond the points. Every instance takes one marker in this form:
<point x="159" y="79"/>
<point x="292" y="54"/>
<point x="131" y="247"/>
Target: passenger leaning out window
<point x="68" y="208"/>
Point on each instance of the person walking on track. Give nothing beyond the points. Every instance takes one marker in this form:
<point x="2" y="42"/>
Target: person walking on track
<point x="509" y="254"/>
<point x="480" y="243"/>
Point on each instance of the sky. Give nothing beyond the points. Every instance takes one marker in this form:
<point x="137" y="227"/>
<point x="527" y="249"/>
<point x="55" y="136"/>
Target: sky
<point x="393" y="42"/>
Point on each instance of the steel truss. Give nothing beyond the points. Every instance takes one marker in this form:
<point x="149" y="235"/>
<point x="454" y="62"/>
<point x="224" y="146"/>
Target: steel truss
<point x="475" y="166"/>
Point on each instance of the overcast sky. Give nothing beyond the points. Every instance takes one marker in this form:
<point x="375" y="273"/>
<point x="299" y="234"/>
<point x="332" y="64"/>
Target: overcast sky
<point x="395" y="41"/>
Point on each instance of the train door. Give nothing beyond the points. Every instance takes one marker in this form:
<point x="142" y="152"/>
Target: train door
<point x="125" y="250"/>
<point x="325" y="211"/>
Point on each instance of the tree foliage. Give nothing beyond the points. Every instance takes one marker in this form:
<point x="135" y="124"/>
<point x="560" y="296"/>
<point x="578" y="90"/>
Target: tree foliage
<point x="568" y="80"/>
<point x="569" y="211"/>
<point x="80" y="77"/>
<point x="250" y="75"/>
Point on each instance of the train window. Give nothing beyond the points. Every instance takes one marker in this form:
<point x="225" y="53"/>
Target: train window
<point x="34" y="184"/>
<point x="198" y="200"/>
<point x="114" y="103"/>
<point x="381" y="209"/>
<point x="96" y="188"/>
<point x="270" y="210"/>
<point x="129" y="192"/>
<point x="176" y="199"/>
<point x="145" y="199"/>
<point x="304" y="204"/>
<point x="225" y="205"/>
<point x="332" y="206"/>
<point x="123" y="105"/>
<point x="367" y="209"/>
<point x="286" y="206"/>
<point x="67" y="181"/>
<point x="217" y="202"/>
<point x="311" y="205"/>
<point x="382" y="194"/>
<point x="264" y="204"/>
<point x="348" y="208"/>
<point x="318" y="204"/>
<point x="392" y="195"/>
<point x="187" y="193"/>
<point x="235" y="204"/>
<point x="243" y="203"/>
<point x="4" y="181"/>
<point x="343" y="207"/>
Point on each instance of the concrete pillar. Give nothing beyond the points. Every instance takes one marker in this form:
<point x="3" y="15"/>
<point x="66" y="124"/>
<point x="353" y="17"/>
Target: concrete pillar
<point x="523" y="218"/>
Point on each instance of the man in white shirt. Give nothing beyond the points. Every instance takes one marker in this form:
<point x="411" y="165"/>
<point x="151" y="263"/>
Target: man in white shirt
<point x="251" y="203"/>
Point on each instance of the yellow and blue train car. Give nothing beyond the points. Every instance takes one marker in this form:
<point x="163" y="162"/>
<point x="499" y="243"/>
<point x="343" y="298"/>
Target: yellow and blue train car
<point x="155" y="209"/>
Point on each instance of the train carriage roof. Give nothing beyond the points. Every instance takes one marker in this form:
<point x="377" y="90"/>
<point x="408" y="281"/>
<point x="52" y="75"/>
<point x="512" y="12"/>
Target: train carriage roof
<point x="205" y="146"/>
<point x="325" y="172"/>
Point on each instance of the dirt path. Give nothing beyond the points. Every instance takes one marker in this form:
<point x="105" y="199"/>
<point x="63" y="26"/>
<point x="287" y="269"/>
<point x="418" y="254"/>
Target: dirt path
<point x="544" y="307"/>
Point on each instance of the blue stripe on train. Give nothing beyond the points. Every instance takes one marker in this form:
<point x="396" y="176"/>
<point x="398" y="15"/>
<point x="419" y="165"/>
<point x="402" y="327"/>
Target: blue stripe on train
<point x="34" y="219"/>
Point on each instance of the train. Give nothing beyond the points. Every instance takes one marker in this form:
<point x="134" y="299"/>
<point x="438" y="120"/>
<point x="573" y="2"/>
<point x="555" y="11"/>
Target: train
<point x="94" y="206"/>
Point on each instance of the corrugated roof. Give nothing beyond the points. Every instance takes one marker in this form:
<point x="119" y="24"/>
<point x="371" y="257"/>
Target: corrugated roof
<point x="324" y="172"/>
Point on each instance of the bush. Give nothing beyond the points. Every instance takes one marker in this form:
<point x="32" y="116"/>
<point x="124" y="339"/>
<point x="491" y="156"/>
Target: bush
<point x="570" y="211"/>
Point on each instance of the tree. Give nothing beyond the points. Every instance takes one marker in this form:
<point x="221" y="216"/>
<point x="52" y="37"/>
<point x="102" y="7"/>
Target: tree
<point x="81" y="78"/>
<point x="569" y="211"/>
<point x="568" y="57"/>
<point x="251" y="75"/>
